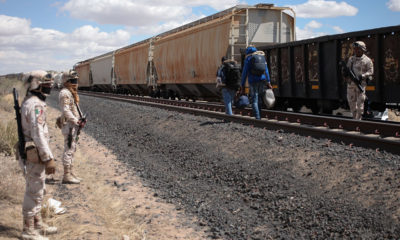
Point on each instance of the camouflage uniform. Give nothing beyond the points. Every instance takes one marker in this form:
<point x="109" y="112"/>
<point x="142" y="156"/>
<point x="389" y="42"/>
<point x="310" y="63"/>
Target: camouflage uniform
<point x="33" y="121"/>
<point x="362" y="66"/>
<point x="70" y="118"/>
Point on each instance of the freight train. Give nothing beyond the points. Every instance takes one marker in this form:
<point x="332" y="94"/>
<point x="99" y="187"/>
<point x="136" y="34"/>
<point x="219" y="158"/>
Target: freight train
<point x="182" y="62"/>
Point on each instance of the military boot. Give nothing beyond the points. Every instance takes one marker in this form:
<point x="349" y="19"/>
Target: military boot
<point x="29" y="232"/>
<point x="73" y="174"/>
<point x="68" y="177"/>
<point x="42" y="227"/>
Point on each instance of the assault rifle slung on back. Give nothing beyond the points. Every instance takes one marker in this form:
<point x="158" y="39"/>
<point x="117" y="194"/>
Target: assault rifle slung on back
<point x="21" y="138"/>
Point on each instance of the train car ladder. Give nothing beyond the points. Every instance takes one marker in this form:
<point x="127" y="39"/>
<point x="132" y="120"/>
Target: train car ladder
<point x="236" y="33"/>
<point x="150" y="74"/>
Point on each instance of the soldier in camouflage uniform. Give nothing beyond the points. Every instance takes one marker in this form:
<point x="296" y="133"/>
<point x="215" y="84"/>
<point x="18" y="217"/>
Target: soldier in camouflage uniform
<point x="33" y="121"/>
<point x="363" y="68"/>
<point x="70" y="123"/>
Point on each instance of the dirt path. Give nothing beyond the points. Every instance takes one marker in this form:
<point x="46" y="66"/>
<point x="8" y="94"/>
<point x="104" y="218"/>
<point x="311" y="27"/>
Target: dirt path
<point x="109" y="203"/>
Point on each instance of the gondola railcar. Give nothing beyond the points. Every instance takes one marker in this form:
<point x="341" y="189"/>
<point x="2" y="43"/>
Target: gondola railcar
<point x="307" y="72"/>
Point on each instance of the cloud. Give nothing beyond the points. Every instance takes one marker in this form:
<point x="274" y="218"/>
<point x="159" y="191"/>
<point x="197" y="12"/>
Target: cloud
<point x="323" y="9"/>
<point x="338" y="29"/>
<point x="313" y="24"/>
<point x="393" y="5"/>
<point x="142" y="18"/>
<point x="23" y="48"/>
<point x="13" y="25"/>
<point x="309" y="31"/>
<point x="140" y="13"/>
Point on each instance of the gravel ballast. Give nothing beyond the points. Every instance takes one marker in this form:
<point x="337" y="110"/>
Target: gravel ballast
<point x="252" y="183"/>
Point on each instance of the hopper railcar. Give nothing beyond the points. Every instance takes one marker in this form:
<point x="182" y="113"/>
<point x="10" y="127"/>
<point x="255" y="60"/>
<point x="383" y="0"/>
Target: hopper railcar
<point x="307" y="72"/>
<point x="85" y="75"/>
<point x="183" y="62"/>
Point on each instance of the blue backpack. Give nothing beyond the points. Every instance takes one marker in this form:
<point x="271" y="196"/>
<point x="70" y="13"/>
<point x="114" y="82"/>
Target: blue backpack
<point x="257" y="66"/>
<point x="242" y="102"/>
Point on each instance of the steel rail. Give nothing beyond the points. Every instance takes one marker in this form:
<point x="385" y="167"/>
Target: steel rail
<point x="370" y="134"/>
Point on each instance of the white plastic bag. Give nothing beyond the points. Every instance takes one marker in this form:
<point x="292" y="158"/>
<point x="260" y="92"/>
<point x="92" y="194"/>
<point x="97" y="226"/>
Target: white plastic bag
<point x="55" y="206"/>
<point x="269" y="98"/>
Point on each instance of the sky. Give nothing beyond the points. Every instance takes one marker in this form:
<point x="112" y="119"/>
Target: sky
<point x="54" y="35"/>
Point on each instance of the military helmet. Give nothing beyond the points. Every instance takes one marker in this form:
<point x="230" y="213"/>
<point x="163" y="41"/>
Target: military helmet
<point x="361" y="45"/>
<point x="71" y="75"/>
<point x="34" y="79"/>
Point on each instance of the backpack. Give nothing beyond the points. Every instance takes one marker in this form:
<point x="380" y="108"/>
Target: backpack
<point x="257" y="63"/>
<point x="242" y="102"/>
<point x="232" y="75"/>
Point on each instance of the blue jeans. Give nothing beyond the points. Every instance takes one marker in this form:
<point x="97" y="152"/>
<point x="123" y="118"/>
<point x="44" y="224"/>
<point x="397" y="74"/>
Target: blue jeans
<point x="228" y="95"/>
<point x="256" y="90"/>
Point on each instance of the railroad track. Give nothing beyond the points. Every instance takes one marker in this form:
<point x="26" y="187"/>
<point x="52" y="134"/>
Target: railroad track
<point x="378" y="135"/>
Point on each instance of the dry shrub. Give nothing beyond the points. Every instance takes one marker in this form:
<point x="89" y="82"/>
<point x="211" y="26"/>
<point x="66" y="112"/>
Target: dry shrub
<point x="7" y="103"/>
<point x="112" y="213"/>
<point x="9" y="137"/>
<point x="47" y="212"/>
<point x="6" y="93"/>
<point x="7" y="85"/>
<point x="11" y="180"/>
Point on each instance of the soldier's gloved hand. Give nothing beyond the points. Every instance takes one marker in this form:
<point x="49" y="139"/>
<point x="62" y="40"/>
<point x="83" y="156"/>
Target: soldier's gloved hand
<point x="50" y="166"/>
<point x="82" y="123"/>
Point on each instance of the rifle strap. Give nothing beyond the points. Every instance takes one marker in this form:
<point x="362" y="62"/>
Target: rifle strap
<point x="351" y="67"/>
<point x="79" y="110"/>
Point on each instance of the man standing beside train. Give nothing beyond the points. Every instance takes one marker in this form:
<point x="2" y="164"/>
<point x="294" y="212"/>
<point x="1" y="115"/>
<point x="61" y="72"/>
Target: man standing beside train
<point x="256" y="71"/>
<point x="70" y="123"/>
<point x="39" y="158"/>
<point x="363" y="68"/>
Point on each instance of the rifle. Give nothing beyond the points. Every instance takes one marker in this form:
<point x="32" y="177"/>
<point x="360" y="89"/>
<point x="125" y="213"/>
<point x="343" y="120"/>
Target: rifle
<point x="69" y="138"/>
<point x="21" y="138"/>
<point x="82" y="119"/>
<point x="348" y="72"/>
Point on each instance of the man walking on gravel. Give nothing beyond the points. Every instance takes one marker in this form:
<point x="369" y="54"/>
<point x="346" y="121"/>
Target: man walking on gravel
<point x="363" y="69"/>
<point x="39" y="159"/>
<point x="70" y="123"/>
<point x="256" y="70"/>
<point x="228" y="78"/>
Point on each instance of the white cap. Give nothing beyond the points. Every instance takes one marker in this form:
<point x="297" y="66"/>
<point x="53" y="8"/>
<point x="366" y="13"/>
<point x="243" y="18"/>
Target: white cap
<point x="35" y="78"/>
<point x="361" y="45"/>
<point x="69" y="75"/>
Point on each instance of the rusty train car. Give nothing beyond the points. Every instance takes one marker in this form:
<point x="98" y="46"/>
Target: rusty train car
<point x="183" y="62"/>
<point x="307" y="72"/>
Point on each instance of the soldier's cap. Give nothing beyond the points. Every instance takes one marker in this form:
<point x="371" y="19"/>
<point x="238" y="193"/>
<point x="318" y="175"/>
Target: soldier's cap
<point x="71" y="75"/>
<point x="35" y="78"/>
<point x="361" y="45"/>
